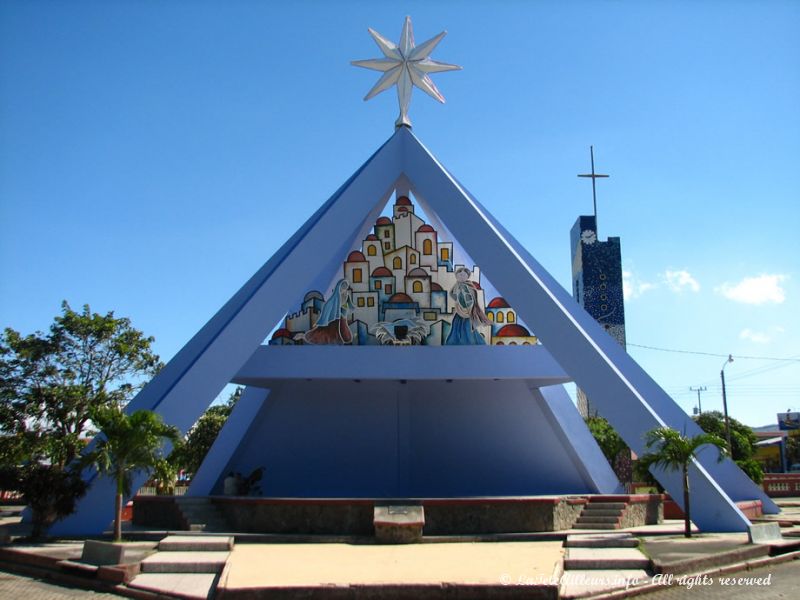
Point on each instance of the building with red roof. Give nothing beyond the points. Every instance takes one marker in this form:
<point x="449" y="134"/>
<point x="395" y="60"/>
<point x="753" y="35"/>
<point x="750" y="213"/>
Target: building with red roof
<point x="513" y="335"/>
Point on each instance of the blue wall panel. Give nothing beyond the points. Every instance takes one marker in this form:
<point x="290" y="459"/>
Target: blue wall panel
<point x="418" y="439"/>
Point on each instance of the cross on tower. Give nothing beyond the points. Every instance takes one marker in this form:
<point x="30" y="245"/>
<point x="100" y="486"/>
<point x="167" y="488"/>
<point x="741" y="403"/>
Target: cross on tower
<point x="594" y="176"/>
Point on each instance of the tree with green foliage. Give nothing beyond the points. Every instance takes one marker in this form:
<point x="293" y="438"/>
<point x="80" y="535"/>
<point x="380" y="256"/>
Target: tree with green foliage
<point x="49" y="385"/>
<point x="674" y="452"/>
<point x="743" y="441"/>
<point x="129" y="443"/>
<point x="616" y="451"/>
<point x="606" y="437"/>
<point x="50" y="491"/>
<point x="190" y="453"/>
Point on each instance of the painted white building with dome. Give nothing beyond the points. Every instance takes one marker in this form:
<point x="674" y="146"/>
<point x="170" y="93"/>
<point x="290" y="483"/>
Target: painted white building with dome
<point x="402" y="271"/>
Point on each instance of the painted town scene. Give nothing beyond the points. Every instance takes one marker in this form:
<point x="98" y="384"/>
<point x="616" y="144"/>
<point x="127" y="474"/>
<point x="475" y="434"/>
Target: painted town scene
<point x="404" y="287"/>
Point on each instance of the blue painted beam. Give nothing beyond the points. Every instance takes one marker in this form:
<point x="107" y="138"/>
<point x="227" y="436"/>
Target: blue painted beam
<point x="271" y="364"/>
<point x="577" y="440"/>
<point x="191" y="380"/>
<point x="230" y="436"/>
<point x="622" y="390"/>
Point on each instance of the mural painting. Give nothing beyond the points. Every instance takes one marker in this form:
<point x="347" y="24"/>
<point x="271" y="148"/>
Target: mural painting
<point x="403" y="288"/>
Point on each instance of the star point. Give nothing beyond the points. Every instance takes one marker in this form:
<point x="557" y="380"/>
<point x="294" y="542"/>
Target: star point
<point x="405" y="65"/>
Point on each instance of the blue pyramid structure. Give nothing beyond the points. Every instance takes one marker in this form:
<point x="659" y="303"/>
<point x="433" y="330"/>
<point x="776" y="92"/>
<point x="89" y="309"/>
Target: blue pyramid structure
<point x="422" y="421"/>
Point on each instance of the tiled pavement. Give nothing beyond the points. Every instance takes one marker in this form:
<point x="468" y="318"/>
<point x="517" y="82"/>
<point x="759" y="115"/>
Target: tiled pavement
<point x="16" y="586"/>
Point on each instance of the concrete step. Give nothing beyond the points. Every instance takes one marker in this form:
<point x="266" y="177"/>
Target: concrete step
<point x="195" y="543"/>
<point x="183" y="585"/>
<point x="580" y="583"/>
<point x="601" y="540"/>
<point x="185" y="562"/>
<point x="601" y="512"/>
<point x="605" y="558"/>
<point x="606" y="505"/>
<point x="609" y="526"/>
<point x="592" y="519"/>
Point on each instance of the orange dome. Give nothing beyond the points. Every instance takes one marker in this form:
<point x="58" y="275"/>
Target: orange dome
<point x="513" y="331"/>
<point x="356" y="256"/>
<point x="435" y="287"/>
<point x="398" y="298"/>
<point x="382" y="272"/>
<point x="403" y="201"/>
<point x="426" y="229"/>
<point x="383" y="221"/>
<point x="418" y="273"/>
<point x="372" y="237"/>
<point x="282" y="333"/>
<point x="498" y="302"/>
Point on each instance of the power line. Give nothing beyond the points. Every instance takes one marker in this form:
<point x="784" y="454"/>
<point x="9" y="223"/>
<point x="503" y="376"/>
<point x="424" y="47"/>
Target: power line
<point x="736" y="356"/>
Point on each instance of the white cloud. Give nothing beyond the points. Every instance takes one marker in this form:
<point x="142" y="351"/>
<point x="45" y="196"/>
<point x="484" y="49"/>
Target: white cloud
<point x="633" y="287"/>
<point x="678" y="281"/>
<point x="755" y="290"/>
<point x="759" y="337"/>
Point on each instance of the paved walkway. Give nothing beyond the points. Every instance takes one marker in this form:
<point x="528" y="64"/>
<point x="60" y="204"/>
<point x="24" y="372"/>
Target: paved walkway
<point x="17" y="586"/>
<point x="313" y="565"/>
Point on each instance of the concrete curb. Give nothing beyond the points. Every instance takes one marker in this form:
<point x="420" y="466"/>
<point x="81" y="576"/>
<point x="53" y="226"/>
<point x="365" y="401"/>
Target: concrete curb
<point x="74" y="581"/>
<point x="722" y="570"/>
<point x="396" y="592"/>
<point x="705" y="563"/>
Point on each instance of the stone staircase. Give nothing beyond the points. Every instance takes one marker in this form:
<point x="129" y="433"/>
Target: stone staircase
<point x="185" y="566"/>
<point x="601" y="515"/>
<point x="601" y="562"/>
<point x="200" y="514"/>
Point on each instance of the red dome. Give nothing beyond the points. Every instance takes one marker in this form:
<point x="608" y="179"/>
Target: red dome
<point x="382" y="272"/>
<point x="498" y="302"/>
<point x="356" y="256"/>
<point x="418" y="273"/>
<point x="435" y="287"/>
<point x="426" y="229"/>
<point x="397" y="298"/>
<point x="403" y="201"/>
<point x="372" y="237"/>
<point x="282" y="333"/>
<point x="402" y="209"/>
<point x="513" y="331"/>
<point x="383" y="221"/>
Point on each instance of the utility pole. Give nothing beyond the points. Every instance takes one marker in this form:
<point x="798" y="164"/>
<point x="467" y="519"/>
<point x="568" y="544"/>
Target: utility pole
<point x="698" y="390"/>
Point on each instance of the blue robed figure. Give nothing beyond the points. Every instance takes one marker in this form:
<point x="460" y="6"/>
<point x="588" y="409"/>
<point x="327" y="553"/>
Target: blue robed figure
<point x="331" y="326"/>
<point x="468" y="314"/>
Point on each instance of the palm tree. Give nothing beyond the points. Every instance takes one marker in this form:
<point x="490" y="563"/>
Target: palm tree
<point x="675" y="451"/>
<point x="130" y="442"/>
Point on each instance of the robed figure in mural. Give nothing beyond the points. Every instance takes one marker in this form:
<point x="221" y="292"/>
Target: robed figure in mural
<point x="468" y="314"/>
<point x="331" y="326"/>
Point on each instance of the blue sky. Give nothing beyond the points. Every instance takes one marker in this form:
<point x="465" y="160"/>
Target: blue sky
<point x="154" y="154"/>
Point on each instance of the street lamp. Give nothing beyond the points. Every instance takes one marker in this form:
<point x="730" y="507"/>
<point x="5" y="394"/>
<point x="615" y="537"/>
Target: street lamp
<point x="725" y="405"/>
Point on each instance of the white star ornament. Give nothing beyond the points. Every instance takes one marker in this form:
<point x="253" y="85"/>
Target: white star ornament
<point x="405" y="65"/>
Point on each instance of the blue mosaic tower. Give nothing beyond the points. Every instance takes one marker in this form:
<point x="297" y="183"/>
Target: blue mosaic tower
<point x="597" y="283"/>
